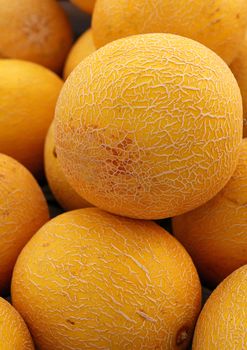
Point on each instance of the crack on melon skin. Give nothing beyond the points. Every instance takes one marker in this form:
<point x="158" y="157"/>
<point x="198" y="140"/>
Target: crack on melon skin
<point x="170" y="101"/>
<point x="103" y="297"/>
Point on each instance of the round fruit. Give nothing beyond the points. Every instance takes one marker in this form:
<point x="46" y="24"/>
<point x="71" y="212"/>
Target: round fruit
<point x="149" y="126"/>
<point x="14" y="334"/>
<point x="222" y="323"/>
<point x="83" y="47"/>
<point x="85" y="5"/>
<point x="61" y="189"/>
<point x="28" y="97"/>
<point x="36" y="31"/>
<point x="215" y="233"/>
<point x="114" y="283"/>
<point x="23" y="210"/>
<point x="239" y="69"/>
<point x="219" y="24"/>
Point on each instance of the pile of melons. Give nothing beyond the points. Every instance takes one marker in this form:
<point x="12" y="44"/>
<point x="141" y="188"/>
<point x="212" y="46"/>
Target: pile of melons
<point x="136" y="126"/>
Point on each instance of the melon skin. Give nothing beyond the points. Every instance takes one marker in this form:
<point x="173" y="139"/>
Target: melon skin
<point x="85" y="5"/>
<point x="14" y="333"/>
<point x="36" y="31"/>
<point x="222" y="322"/>
<point x="219" y="24"/>
<point x="82" y="48"/>
<point x="215" y="233"/>
<point x="239" y="69"/>
<point x="23" y="210"/>
<point x="61" y="189"/>
<point x="92" y="280"/>
<point x="29" y="94"/>
<point x="149" y="126"/>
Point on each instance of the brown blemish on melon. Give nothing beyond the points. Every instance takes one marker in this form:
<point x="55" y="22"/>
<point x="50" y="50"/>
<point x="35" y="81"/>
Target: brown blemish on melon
<point x="70" y="322"/>
<point x="182" y="336"/>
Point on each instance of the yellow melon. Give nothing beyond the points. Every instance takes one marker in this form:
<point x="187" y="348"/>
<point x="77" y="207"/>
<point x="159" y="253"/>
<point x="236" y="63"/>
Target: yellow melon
<point x="222" y="323"/>
<point x="23" y="210"/>
<point x="92" y="280"/>
<point x="219" y="24"/>
<point x="239" y="69"/>
<point x="61" y="189"/>
<point x="215" y="233"/>
<point x="149" y="126"/>
<point x="14" y="334"/>
<point x="28" y="97"/>
<point x="36" y="31"/>
<point x="85" y="5"/>
<point x="83" y="47"/>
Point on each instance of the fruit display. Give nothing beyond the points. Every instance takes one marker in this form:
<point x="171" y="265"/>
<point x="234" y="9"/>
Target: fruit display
<point x="150" y="138"/>
<point x="123" y="175"/>
<point x="114" y="283"/>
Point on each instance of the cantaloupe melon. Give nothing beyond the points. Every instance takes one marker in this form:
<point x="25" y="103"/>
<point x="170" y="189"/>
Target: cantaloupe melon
<point x="92" y="280"/>
<point x="36" y="31"/>
<point x="149" y="126"/>
<point x="239" y="69"/>
<point x="222" y="323"/>
<point x="61" y="189"/>
<point x="83" y="47"/>
<point x="14" y="334"/>
<point x="215" y="234"/>
<point x="23" y="210"/>
<point x="85" y="5"/>
<point x="28" y="94"/>
<point x="218" y="24"/>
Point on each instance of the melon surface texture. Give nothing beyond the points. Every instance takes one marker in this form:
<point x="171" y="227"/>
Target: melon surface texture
<point x="218" y="24"/>
<point x="239" y="69"/>
<point x="36" y="31"/>
<point x="14" y="333"/>
<point x="29" y="94"/>
<point x="215" y="234"/>
<point x="222" y="323"/>
<point x="23" y="210"/>
<point x="61" y="189"/>
<point x="92" y="280"/>
<point x="82" y="48"/>
<point x="149" y="126"/>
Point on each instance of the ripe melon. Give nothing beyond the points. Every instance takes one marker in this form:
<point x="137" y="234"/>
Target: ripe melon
<point x="36" y="31"/>
<point x="92" y="280"/>
<point x="83" y="47"/>
<point x="222" y="323"/>
<point x="85" y="5"/>
<point x="61" y="189"/>
<point x="14" y="334"/>
<point x="149" y="126"/>
<point x="23" y="210"/>
<point x="219" y="24"/>
<point x="239" y="69"/>
<point x="28" y="97"/>
<point x="215" y="233"/>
